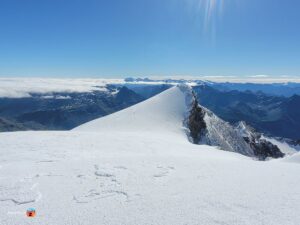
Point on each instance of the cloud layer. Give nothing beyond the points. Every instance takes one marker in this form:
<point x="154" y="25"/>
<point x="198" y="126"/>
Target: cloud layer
<point x="23" y="87"/>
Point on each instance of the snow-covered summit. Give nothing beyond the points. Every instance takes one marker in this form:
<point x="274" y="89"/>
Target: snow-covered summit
<point x="177" y="113"/>
<point x="162" y="113"/>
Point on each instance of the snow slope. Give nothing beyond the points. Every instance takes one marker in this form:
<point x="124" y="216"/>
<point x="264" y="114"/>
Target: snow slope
<point x="140" y="169"/>
<point x="295" y="158"/>
<point x="163" y="113"/>
<point x="166" y="114"/>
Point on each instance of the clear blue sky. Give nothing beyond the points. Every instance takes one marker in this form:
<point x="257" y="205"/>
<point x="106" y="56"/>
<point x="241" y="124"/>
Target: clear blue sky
<point x="115" y="38"/>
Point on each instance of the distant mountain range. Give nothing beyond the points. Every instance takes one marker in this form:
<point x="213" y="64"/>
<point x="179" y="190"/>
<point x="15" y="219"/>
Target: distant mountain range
<point x="286" y="89"/>
<point x="276" y="89"/>
<point x="207" y="128"/>
<point x="273" y="115"/>
<point x="62" y="111"/>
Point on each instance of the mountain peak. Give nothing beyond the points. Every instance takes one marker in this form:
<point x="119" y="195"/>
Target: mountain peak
<point x="176" y="112"/>
<point x="162" y="113"/>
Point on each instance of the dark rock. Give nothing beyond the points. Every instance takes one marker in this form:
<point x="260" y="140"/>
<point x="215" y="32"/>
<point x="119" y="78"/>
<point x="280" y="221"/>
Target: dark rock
<point x="196" y="123"/>
<point x="262" y="148"/>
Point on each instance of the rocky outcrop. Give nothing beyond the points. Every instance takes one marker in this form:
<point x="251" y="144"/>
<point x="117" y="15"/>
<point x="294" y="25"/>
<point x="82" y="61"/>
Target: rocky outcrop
<point x="206" y="128"/>
<point x="262" y="148"/>
<point x="196" y="123"/>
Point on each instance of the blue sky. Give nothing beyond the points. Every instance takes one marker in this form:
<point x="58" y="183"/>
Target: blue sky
<point x="118" y="38"/>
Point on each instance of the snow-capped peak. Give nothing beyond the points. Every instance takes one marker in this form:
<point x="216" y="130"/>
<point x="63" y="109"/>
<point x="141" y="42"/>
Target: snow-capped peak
<point x="163" y="113"/>
<point x="176" y="113"/>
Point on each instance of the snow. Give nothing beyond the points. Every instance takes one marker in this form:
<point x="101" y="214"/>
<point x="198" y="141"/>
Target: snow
<point x="163" y="113"/>
<point x="221" y="133"/>
<point x="295" y="158"/>
<point x="136" y="167"/>
<point x="283" y="146"/>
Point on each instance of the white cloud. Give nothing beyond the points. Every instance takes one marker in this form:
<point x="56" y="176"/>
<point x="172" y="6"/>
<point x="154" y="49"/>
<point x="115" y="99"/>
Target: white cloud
<point x="22" y="87"/>
<point x="259" y="76"/>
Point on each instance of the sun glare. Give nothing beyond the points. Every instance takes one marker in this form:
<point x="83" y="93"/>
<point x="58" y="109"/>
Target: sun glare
<point x="209" y="11"/>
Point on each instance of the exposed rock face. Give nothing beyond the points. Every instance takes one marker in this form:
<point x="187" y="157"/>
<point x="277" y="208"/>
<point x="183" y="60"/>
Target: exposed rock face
<point x="196" y="122"/>
<point x="273" y="115"/>
<point x="206" y="128"/>
<point x="262" y="148"/>
<point x="222" y="134"/>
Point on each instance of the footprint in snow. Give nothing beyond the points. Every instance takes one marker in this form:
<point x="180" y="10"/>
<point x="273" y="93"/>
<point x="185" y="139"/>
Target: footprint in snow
<point x="163" y="171"/>
<point x="107" y="186"/>
<point x="20" y="193"/>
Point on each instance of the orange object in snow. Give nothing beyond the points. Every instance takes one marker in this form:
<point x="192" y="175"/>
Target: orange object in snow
<point x="30" y="212"/>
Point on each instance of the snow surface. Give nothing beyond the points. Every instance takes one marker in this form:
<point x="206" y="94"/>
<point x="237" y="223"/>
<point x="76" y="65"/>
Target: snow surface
<point x="136" y="167"/>
<point x="295" y="158"/>
<point x="163" y="113"/>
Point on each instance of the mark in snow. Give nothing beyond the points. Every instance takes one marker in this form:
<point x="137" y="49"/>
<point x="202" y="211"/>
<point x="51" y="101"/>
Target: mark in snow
<point x="163" y="171"/>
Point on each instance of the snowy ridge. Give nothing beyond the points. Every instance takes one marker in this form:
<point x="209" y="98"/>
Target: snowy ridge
<point x="204" y="127"/>
<point x="169" y="113"/>
<point x="222" y="134"/>
<point x="162" y="113"/>
<point x="207" y="128"/>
